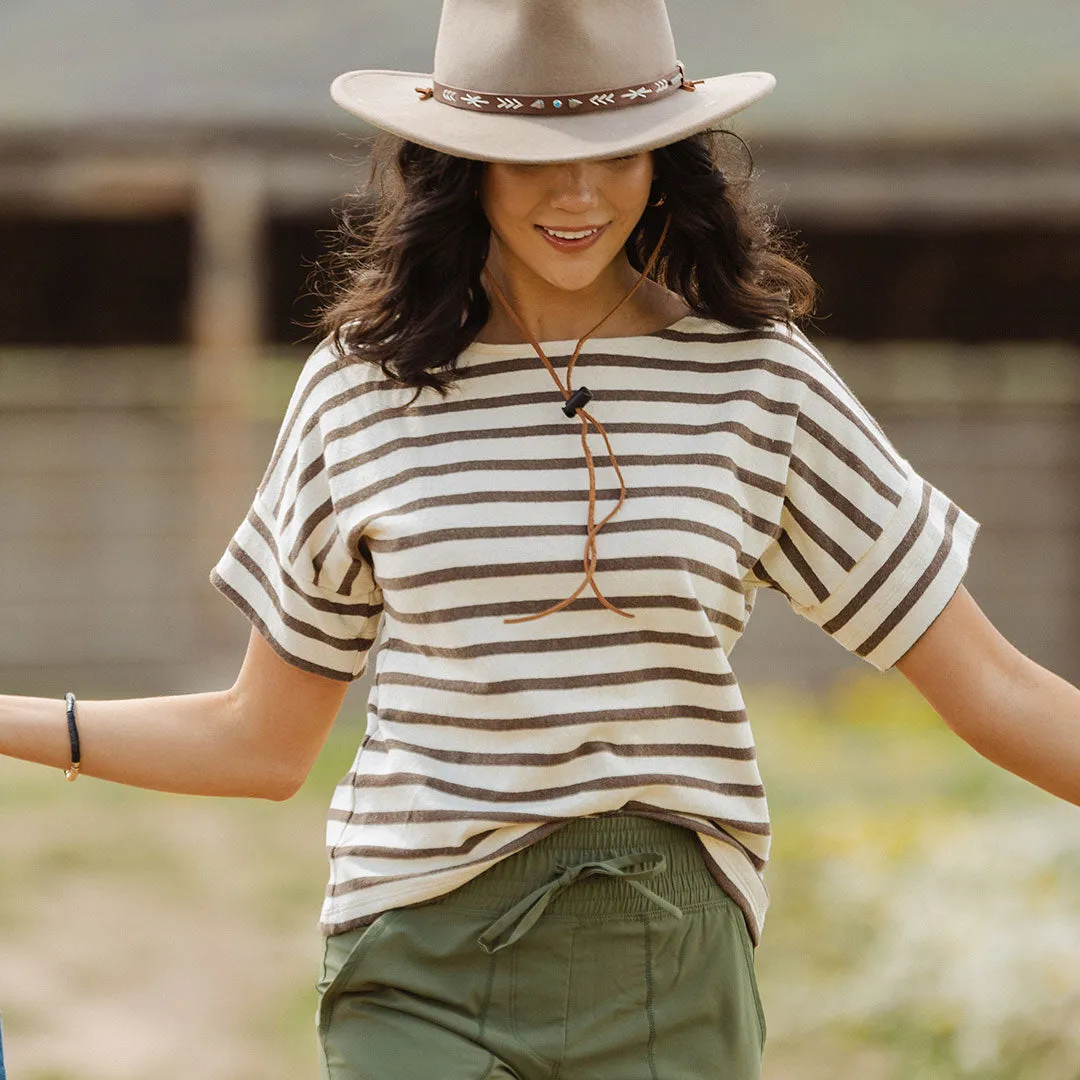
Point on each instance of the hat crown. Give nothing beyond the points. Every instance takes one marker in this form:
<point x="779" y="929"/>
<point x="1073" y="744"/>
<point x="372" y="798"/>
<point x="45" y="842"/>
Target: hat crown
<point x="546" y="47"/>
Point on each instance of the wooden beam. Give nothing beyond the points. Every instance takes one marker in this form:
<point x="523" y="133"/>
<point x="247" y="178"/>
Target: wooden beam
<point x="226" y="326"/>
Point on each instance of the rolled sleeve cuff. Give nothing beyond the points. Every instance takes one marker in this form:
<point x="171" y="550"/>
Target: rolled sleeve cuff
<point x="902" y="583"/>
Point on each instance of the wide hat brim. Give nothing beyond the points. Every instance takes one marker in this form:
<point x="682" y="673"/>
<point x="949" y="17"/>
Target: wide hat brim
<point x="389" y="100"/>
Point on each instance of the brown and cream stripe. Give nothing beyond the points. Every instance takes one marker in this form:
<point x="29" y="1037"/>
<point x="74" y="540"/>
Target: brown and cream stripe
<point x="749" y="464"/>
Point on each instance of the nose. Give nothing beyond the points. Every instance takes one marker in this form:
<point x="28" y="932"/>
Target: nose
<point x="575" y="189"/>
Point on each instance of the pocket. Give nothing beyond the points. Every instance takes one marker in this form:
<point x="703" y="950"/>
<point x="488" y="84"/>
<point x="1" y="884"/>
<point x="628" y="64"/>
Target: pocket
<point x="751" y="972"/>
<point x="340" y="962"/>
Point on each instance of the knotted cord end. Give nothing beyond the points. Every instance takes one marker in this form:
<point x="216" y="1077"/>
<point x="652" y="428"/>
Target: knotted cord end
<point x="687" y="84"/>
<point x="426" y="92"/>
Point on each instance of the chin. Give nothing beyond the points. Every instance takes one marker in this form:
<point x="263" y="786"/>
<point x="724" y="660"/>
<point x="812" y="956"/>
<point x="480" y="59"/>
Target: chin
<point x="573" y="283"/>
<point x="571" y="279"/>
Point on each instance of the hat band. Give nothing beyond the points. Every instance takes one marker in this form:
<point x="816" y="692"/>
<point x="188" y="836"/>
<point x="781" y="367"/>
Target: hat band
<point x="552" y="104"/>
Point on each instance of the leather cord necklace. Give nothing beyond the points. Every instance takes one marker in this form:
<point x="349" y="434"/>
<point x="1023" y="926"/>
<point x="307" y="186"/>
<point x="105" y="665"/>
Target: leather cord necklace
<point x="575" y="399"/>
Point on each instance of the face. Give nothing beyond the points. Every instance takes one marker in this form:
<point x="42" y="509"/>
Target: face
<point x="595" y="204"/>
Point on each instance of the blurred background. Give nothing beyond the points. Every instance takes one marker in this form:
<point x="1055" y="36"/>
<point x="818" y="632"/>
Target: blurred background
<point x="168" y="177"/>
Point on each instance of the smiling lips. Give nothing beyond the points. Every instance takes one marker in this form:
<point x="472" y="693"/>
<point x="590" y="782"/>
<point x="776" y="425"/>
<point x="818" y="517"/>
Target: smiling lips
<point x="571" y="239"/>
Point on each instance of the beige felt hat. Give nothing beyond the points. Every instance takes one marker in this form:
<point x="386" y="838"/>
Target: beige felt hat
<point x="548" y="80"/>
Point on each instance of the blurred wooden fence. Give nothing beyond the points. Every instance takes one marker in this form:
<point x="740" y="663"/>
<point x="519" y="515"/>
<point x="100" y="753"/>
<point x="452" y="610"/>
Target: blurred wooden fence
<point x="106" y="535"/>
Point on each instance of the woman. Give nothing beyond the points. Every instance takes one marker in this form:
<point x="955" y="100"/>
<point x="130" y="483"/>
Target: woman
<point x="547" y="859"/>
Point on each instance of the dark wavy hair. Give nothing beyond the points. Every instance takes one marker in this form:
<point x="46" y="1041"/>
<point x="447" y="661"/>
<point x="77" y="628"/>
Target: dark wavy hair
<point x="405" y="290"/>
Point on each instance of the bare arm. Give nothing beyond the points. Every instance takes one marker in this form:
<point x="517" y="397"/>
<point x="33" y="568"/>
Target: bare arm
<point x="1012" y="710"/>
<point x="257" y="739"/>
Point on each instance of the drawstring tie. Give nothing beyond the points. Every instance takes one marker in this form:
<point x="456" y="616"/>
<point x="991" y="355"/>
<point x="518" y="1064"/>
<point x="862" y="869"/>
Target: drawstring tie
<point x="527" y="910"/>
<point x="575" y="399"/>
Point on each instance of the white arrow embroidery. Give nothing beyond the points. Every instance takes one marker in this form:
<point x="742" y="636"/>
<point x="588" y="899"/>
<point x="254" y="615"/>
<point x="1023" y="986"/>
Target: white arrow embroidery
<point x="474" y="99"/>
<point x="661" y="84"/>
<point x="538" y="103"/>
<point x="574" y="103"/>
<point x="638" y="94"/>
<point x="509" y="103"/>
<point x="450" y="95"/>
<point x="603" y="99"/>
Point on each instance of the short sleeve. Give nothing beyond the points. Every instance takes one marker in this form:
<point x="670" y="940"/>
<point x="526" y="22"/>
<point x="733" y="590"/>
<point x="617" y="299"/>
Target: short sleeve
<point x="288" y="566"/>
<point x="865" y="548"/>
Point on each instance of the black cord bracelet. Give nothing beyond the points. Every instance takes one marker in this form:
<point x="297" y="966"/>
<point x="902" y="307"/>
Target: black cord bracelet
<point x="72" y="773"/>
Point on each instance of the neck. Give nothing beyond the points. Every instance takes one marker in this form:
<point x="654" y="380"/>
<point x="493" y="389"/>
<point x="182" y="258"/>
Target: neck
<point x="553" y="314"/>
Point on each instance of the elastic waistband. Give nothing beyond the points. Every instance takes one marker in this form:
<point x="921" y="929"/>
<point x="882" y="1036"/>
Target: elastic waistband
<point x="686" y="882"/>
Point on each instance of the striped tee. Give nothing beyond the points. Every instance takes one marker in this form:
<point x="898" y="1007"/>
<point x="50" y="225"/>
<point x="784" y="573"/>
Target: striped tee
<point x="748" y="464"/>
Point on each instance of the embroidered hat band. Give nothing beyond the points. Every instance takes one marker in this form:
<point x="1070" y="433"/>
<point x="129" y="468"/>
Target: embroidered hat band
<point x="551" y="104"/>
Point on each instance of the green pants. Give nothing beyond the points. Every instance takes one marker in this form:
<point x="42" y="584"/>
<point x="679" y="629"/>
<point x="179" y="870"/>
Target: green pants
<point x="604" y="951"/>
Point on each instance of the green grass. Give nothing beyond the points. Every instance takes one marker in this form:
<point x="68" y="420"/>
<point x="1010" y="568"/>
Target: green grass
<point x="888" y="879"/>
<point x="911" y="881"/>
